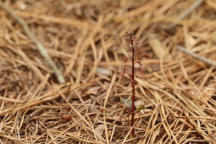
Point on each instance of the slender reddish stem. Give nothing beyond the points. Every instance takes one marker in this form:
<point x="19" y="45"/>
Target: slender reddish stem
<point x="132" y="82"/>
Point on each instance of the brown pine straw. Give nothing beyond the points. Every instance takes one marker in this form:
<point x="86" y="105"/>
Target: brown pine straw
<point x="174" y="91"/>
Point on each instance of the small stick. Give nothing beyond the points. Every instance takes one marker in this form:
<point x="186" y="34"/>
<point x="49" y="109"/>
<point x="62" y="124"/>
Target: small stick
<point x="39" y="45"/>
<point x="201" y="58"/>
<point x="187" y="12"/>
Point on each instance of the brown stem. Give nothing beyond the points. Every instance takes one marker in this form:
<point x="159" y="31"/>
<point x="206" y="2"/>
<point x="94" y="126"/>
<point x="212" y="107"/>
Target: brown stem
<point x="132" y="83"/>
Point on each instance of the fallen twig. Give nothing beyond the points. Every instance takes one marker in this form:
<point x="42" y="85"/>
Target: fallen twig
<point x="187" y="12"/>
<point x="39" y="45"/>
<point x="201" y="58"/>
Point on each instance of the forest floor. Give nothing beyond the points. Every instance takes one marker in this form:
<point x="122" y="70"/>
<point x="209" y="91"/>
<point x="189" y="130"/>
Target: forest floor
<point x="79" y="95"/>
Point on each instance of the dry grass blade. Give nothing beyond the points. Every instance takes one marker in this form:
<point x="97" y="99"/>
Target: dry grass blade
<point x="109" y="90"/>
